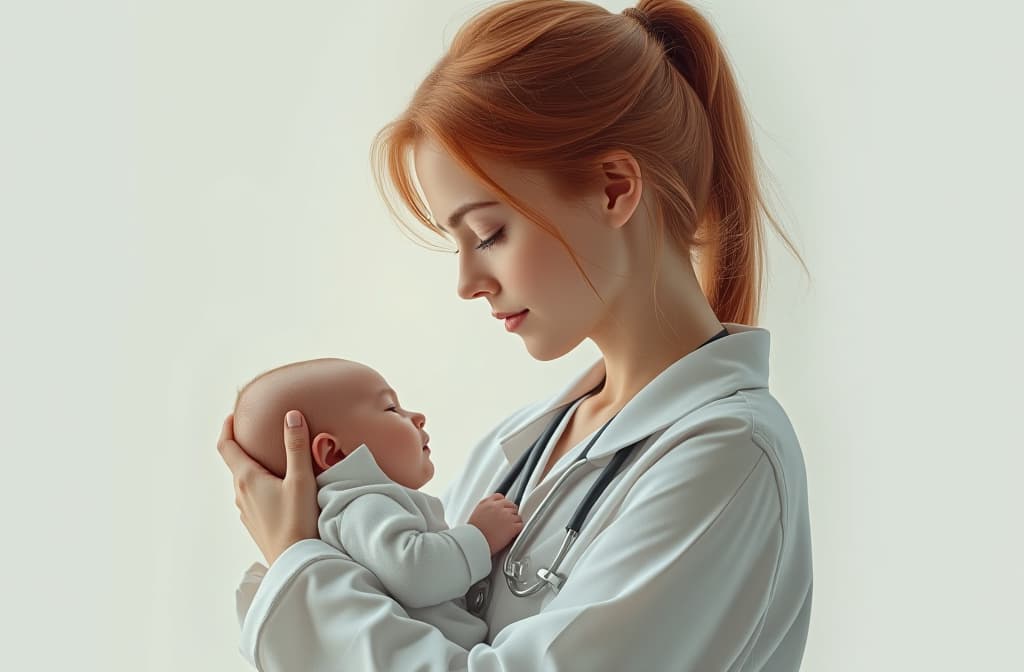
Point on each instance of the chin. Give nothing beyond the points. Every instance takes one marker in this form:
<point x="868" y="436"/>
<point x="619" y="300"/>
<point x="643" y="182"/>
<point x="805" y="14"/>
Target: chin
<point x="545" y="351"/>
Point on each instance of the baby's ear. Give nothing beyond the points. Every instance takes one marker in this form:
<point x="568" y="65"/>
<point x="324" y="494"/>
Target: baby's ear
<point x="326" y="451"/>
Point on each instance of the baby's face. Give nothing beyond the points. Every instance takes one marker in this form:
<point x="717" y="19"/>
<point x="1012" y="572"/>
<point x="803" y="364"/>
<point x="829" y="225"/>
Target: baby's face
<point x="369" y="412"/>
<point x="346" y="404"/>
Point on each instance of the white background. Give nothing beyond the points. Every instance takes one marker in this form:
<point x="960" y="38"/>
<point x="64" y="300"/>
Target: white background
<point x="187" y="201"/>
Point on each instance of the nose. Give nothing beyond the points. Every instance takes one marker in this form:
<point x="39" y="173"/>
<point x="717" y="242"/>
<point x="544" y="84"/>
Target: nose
<point x="474" y="281"/>
<point x="419" y="420"/>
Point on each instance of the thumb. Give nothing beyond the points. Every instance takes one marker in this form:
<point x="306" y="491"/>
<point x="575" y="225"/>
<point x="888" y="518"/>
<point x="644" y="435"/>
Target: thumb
<point x="299" y="461"/>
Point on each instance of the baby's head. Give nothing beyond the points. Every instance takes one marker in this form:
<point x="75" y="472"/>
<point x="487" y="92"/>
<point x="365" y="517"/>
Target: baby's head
<point x="346" y="404"/>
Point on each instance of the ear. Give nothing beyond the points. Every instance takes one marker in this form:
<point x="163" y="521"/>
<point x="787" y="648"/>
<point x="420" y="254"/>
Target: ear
<point x="326" y="451"/>
<point x="621" y="187"/>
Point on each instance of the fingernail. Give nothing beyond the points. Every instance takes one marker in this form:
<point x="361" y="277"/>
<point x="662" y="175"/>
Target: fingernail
<point x="293" y="418"/>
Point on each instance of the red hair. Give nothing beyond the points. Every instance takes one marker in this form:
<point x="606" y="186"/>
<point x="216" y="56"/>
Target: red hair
<point x="556" y="85"/>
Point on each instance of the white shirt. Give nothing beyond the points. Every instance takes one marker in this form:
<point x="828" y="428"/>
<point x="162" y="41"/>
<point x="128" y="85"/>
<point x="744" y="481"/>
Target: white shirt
<point x="697" y="557"/>
<point x="400" y="535"/>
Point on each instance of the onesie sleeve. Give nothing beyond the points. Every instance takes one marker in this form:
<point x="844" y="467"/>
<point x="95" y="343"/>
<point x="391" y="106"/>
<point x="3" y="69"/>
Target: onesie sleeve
<point x="419" y="568"/>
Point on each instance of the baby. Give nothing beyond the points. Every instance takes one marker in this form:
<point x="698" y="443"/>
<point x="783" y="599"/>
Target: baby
<point x="370" y="457"/>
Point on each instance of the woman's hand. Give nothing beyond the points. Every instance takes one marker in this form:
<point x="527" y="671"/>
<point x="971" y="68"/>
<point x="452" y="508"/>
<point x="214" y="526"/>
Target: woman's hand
<point x="277" y="512"/>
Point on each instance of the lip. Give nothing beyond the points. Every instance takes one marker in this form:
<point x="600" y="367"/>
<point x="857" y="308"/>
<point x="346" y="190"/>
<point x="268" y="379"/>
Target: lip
<point x="512" y="322"/>
<point x="502" y="316"/>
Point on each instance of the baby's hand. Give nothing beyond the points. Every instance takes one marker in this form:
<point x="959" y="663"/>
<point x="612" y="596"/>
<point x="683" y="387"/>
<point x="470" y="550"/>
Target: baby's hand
<point x="498" y="518"/>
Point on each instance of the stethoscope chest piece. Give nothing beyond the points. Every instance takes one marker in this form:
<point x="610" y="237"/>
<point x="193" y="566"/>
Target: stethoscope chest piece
<point x="553" y="579"/>
<point x="517" y="573"/>
<point x="478" y="596"/>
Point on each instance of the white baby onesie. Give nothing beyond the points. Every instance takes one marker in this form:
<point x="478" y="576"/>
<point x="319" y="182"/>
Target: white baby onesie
<point x="400" y="535"/>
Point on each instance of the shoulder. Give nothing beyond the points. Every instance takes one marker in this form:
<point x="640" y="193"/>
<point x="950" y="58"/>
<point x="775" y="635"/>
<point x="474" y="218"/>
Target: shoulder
<point x="369" y="500"/>
<point x="729" y="444"/>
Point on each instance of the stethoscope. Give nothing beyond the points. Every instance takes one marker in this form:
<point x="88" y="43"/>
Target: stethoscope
<point x="549" y="576"/>
<point x="514" y="568"/>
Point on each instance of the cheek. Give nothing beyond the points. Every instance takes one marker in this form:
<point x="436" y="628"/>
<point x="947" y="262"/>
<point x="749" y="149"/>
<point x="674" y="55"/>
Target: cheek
<point x="602" y="256"/>
<point x="401" y="431"/>
<point x="383" y="428"/>
<point x="541" y="265"/>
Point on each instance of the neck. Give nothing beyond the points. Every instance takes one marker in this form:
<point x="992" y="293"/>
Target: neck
<point x="641" y="337"/>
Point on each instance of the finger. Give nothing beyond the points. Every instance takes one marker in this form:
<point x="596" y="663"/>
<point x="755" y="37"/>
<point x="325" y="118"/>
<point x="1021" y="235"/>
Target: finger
<point x="299" y="461"/>
<point x="231" y="452"/>
<point x="227" y="430"/>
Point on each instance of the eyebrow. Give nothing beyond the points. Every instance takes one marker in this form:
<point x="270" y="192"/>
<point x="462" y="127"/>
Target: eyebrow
<point x="455" y="219"/>
<point x="387" y="390"/>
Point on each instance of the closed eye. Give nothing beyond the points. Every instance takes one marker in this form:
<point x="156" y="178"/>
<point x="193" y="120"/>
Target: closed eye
<point x="497" y="237"/>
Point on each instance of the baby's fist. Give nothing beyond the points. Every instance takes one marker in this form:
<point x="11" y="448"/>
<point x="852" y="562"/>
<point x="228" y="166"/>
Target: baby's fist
<point x="498" y="519"/>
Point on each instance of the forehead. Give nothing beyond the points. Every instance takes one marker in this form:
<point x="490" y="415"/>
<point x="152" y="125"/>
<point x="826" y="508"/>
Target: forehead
<point x="434" y="167"/>
<point x="448" y="187"/>
<point x="446" y="184"/>
<point x="352" y="380"/>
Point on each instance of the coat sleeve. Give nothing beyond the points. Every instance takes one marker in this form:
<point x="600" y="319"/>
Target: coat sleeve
<point x="246" y="590"/>
<point x="418" y="567"/>
<point x="681" y="578"/>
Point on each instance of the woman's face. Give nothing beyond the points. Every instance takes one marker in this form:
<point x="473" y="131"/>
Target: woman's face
<point x="516" y="266"/>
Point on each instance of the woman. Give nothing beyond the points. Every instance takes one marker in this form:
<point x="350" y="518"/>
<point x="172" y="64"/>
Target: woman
<point x="581" y="161"/>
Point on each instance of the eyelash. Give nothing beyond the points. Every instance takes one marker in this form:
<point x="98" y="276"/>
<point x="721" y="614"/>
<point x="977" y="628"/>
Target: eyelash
<point x="497" y="237"/>
<point x="393" y="408"/>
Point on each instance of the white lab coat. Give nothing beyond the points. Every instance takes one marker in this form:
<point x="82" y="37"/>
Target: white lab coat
<point x="696" y="558"/>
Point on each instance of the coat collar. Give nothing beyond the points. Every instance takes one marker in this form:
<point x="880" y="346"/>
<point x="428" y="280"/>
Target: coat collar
<point x="715" y="371"/>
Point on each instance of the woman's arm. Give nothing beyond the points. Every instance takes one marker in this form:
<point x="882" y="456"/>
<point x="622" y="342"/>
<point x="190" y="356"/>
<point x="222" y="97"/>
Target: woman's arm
<point x="311" y="608"/>
<point x="683" y="577"/>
